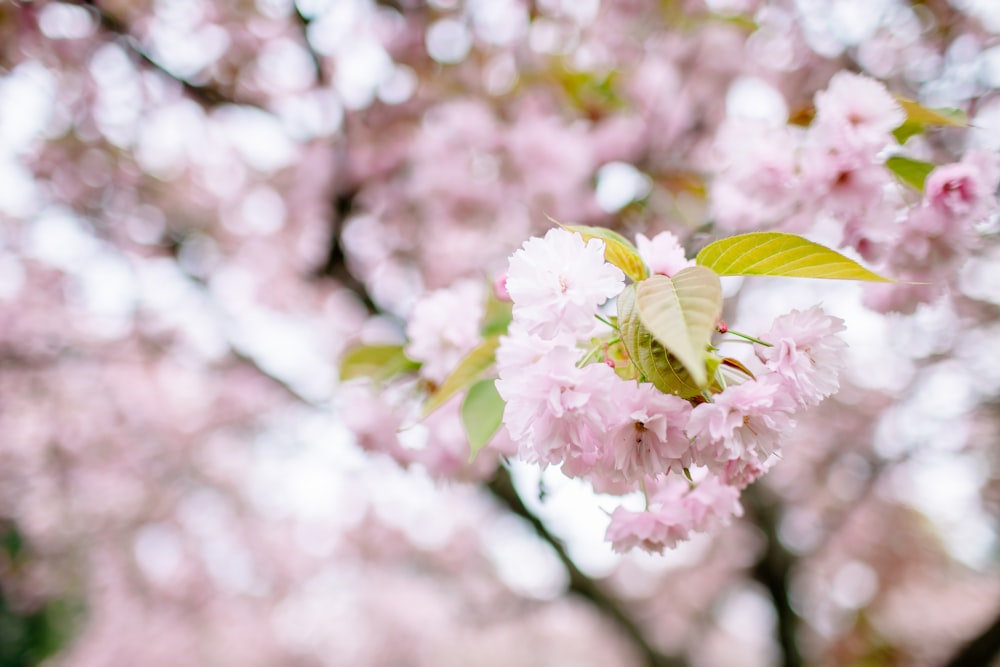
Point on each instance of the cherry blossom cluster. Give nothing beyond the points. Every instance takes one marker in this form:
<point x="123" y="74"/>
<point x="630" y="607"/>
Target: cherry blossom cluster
<point x="574" y="400"/>
<point x="838" y="170"/>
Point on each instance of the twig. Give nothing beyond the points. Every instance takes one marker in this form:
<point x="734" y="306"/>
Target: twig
<point x="206" y="95"/>
<point x="981" y="650"/>
<point x="503" y="490"/>
<point x="772" y="571"/>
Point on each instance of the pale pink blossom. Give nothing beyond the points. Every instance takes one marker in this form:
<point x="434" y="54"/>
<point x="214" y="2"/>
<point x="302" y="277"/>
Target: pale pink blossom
<point x="964" y="189"/>
<point x="856" y="112"/>
<point x="556" y="410"/>
<point x="650" y="439"/>
<point x="742" y="422"/>
<point x="844" y="183"/>
<point x="756" y="185"/>
<point x="663" y="253"/>
<point x="806" y="353"/>
<point x="675" y="511"/>
<point x="558" y="282"/>
<point x="444" y="327"/>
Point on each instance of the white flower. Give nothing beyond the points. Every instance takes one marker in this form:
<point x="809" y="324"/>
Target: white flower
<point x="558" y="282"/>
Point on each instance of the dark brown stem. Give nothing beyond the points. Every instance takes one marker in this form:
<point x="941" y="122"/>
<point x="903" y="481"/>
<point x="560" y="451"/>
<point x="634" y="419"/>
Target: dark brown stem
<point x="502" y="488"/>
<point x="772" y="570"/>
<point x="206" y="95"/>
<point x="981" y="650"/>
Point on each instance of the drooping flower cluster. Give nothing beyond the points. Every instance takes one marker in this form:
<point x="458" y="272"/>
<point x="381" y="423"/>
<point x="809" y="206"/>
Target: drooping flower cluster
<point x="574" y="399"/>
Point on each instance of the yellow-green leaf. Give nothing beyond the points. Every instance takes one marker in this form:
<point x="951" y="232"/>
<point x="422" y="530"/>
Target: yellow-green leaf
<point x="944" y="116"/>
<point x="647" y="355"/>
<point x="497" y="315"/>
<point x="467" y="372"/>
<point x="482" y="412"/>
<point x="919" y="117"/>
<point x="378" y="362"/>
<point x="912" y="172"/>
<point x="780" y="254"/>
<point x="681" y="313"/>
<point x="618" y="250"/>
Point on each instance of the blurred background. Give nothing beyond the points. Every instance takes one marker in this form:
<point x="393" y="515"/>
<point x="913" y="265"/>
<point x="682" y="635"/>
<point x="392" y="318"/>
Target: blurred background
<point x="203" y="203"/>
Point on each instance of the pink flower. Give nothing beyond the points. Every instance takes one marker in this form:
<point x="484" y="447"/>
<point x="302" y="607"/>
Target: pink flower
<point x="444" y="327"/>
<point x="744" y="421"/>
<point x="558" y="411"/>
<point x="964" y="189"/>
<point x="806" y="353"/>
<point x="662" y="254"/>
<point x="757" y="175"/>
<point x="856" y="112"/>
<point x="558" y="282"/>
<point x="650" y="440"/>
<point x="675" y="511"/>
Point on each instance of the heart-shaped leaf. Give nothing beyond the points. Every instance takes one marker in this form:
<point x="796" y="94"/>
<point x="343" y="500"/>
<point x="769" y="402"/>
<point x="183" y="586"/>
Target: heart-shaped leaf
<point x="482" y="412"/>
<point x="681" y="313"/>
<point x="650" y="359"/>
<point x="618" y="250"/>
<point x="469" y="370"/>
<point x="780" y="254"/>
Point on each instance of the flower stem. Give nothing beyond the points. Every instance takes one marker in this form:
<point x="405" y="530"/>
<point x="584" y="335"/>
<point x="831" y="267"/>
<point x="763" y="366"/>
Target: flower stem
<point x="750" y="338"/>
<point x="608" y="322"/>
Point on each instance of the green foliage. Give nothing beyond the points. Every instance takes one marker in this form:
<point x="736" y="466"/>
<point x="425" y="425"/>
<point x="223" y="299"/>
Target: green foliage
<point x="482" y="412"/>
<point x="378" y="362"/>
<point x="470" y="369"/>
<point x="909" y="171"/>
<point x="919" y="118"/>
<point x="618" y="250"/>
<point x="28" y="638"/>
<point x="780" y="254"/>
<point x="497" y="317"/>
<point x="652" y="360"/>
<point x="681" y="313"/>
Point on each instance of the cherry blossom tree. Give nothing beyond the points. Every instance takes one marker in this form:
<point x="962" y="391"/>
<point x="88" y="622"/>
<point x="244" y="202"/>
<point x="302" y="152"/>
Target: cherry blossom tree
<point x="511" y="332"/>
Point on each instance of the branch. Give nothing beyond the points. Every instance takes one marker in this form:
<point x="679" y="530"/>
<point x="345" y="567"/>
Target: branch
<point x="206" y="95"/>
<point x="772" y="570"/>
<point x="980" y="650"/>
<point x="503" y="490"/>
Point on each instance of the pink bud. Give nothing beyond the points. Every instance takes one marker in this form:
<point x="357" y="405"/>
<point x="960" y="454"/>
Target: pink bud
<point x="500" y="287"/>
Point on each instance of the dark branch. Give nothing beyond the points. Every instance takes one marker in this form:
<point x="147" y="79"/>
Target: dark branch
<point x="503" y="490"/>
<point x="981" y="650"/>
<point x="335" y="265"/>
<point x="772" y="571"/>
<point x="206" y="95"/>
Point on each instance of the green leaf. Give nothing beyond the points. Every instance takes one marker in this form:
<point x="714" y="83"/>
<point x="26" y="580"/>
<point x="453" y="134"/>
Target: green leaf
<point x="482" y="412"/>
<point x="618" y="250"/>
<point x="378" y="362"/>
<point x="468" y="371"/>
<point x="652" y="361"/>
<point x="911" y="172"/>
<point x="919" y="117"/>
<point x="497" y="316"/>
<point x="944" y="116"/>
<point x="681" y="313"/>
<point x="780" y="254"/>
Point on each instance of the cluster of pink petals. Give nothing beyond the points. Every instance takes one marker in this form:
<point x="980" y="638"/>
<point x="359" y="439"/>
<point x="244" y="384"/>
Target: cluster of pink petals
<point x="557" y="283"/>
<point x="663" y="253"/>
<point x="675" y="511"/>
<point x="790" y="178"/>
<point x="623" y="435"/>
<point x="805" y="352"/>
<point x="785" y="177"/>
<point x="444" y="326"/>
